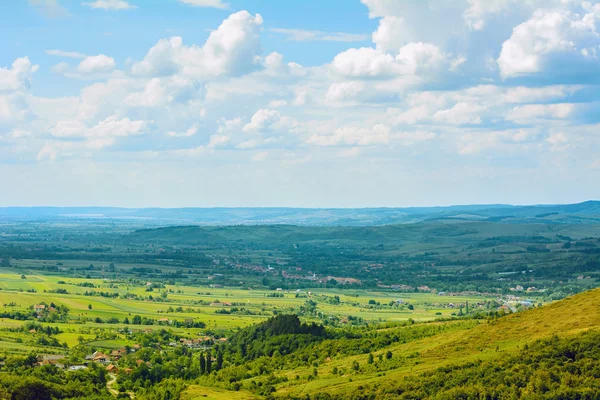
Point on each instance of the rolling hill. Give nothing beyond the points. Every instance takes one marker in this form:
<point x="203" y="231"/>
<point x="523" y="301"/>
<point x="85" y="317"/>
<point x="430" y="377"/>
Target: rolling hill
<point x="487" y="358"/>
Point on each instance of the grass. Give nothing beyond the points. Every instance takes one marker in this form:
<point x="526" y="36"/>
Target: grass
<point x="196" y="392"/>
<point x="480" y="341"/>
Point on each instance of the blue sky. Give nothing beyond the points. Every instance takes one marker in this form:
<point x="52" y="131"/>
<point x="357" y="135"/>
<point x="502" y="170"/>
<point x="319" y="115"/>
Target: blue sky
<point x="299" y="103"/>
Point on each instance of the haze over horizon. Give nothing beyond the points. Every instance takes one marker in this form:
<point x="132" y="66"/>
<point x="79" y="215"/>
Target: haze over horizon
<point x="370" y="103"/>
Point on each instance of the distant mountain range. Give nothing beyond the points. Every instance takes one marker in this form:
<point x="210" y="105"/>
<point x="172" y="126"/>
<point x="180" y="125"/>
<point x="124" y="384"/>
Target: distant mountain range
<point x="586" y="212"/>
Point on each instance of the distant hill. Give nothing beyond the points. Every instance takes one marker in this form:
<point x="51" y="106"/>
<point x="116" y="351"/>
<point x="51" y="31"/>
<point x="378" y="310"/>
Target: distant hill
<point x="447" y="233"/>
<point x="586" y="212"/>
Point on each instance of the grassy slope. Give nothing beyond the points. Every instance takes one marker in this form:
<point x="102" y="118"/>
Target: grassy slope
<point x="484" y="341"/>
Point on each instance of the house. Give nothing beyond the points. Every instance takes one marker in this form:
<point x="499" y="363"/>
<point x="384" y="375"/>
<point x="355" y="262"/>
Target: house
<point x="38" y="308"/>
<point x="112" y="368"/>
<point x="100" y="357"/>
<point x="77" y="367"/>
<point x="128" y="370"/>
<point x="117" y="354"/>
<point x="223" y="339"/>
<point x="163" y="320"/>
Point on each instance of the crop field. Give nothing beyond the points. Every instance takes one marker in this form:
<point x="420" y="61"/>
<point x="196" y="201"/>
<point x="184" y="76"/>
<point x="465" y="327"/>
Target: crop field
<point x="205" y="304"/>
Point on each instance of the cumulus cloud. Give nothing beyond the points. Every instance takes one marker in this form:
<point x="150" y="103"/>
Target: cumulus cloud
<point x="18" y="76"/>
<point x="411" y="59"/>
<point x="262" y="120"/>
<point x="232" y="49"/>
<point x="556" y="41"/>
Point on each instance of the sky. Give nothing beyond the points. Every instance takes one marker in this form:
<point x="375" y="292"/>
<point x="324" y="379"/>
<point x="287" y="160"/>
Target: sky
<point x="299" y="103"/>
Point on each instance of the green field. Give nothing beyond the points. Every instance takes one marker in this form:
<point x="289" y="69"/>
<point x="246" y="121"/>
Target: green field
<point x="83" y="310"/>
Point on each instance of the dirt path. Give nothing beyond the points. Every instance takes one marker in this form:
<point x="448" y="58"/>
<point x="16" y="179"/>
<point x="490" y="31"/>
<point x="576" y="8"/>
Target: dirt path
<point x="114" y="392"/>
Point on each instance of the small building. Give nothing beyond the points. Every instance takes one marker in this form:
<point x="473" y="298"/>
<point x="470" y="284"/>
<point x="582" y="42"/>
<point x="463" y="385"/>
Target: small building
<point x="38" y="308"/>
<point x="100" y="357"/>
<point x="112" y="368"/>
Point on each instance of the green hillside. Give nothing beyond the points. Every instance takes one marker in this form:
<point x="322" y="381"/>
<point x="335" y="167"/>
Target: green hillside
<point x="359" y="367"/>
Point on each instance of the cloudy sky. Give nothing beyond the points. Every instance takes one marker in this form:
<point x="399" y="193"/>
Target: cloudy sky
<point x="311" y="103"/>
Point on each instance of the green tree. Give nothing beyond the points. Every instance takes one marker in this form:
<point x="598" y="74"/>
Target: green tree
<point x="202" y="364"/>
<point x="371" y="359"/>
<point x="32" y="391"/>
<point x="219" y="360"/>
<point x="208" y="362"/>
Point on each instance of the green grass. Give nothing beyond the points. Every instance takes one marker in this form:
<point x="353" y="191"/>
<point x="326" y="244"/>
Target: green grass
<point x="483" y="340"/>
<point x="196" y="392"/>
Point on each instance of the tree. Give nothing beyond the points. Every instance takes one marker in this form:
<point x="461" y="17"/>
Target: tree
<point x="388" y="355"/>
<point x="202" y="364"/>
<point x="208" y="362"/>
<point x="219" y="360"/>
<point x="80" y="340"/>
<point x="32" y="391"/>
<point x="371" y="359"/>
<point x="89" y="306"/>
<point x="126" y="321"/>
<point x="355" y="365"/>
<point x="137" y="320"/>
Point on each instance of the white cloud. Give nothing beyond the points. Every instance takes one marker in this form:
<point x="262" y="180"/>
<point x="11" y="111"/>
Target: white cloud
<point x="301" y="35"/>
<point x="18" y="76"/>
<point x="353" y="136"/>
<point x="68" y="54"/>
<point x="365" y="62"/>
<point x="557" y="41"/>
<point x="261" y="120"/>
<point x="460" y="114"/>
<point x="533" y="113"/>
<point x="191" y="131"/>
<point x="110" y="5"/>
<point x="110" y="127"/>
<point x="206" y="3"/>
<point x="232" y="49"/>
<point x="412" y="59"/>
<point x="478" y="10"/>
<point x="96" y="65"/>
